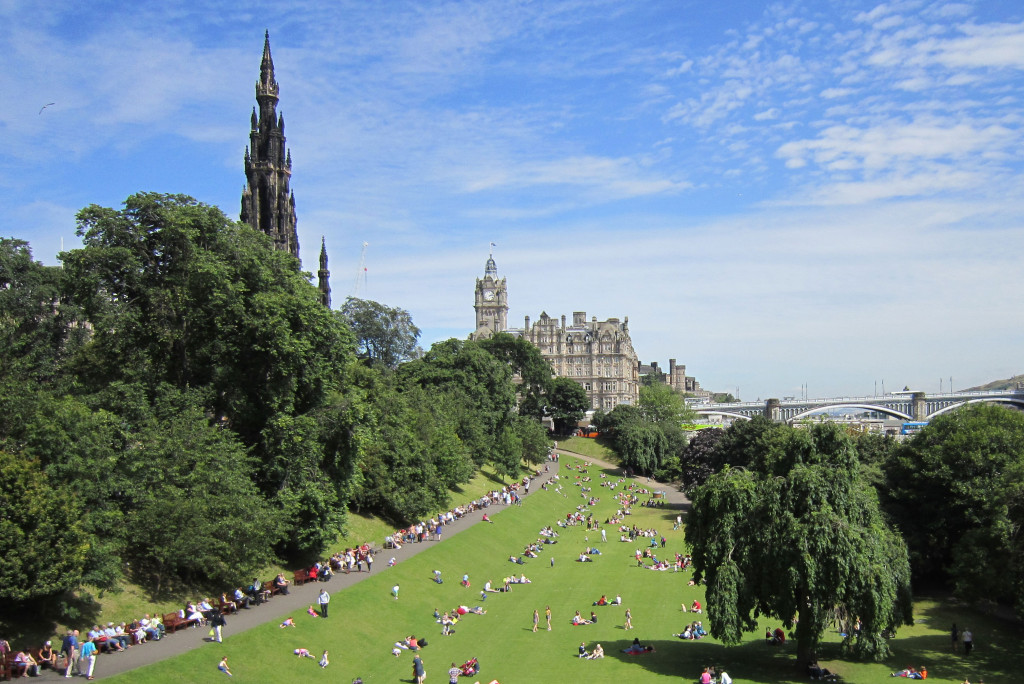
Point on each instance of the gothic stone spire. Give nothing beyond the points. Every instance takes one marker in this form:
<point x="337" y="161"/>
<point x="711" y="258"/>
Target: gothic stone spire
<point x="324" y="275"/>
<point x="268" y="204"/>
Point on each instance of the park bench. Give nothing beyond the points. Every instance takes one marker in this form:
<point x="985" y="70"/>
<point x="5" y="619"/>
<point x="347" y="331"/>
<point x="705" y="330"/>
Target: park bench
<point x="227" y="607"/>
<point x="269" y="586"/>
<point x="301" y="577"/>
<point x="12" y="669"/>
<point x="173" y="622"/>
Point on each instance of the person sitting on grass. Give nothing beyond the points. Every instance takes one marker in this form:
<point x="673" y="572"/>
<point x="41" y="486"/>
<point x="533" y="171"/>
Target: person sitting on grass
<point x="696" y="607"/>
<point x="909" y="673"/>
<point x="584" y="558"/>
<point x="598" y="653"/>
<point x="312" y="611"/>
<point x="583" y="650"/>
<point x="603" y="601"/>
<point x="578" y="619"/>
<point x="304" y="653"/>
<point x="816" y="671"/>
<point x="470" y="668"/>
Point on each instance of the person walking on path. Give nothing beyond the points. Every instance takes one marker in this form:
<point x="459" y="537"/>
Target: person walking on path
<point x="89" y="658"/>
<point x="324" y="599"/>
<point x="69" y="650"/>
<point x="369" y="561"/>
<point x="218" y="623"/>
<point x="547" y="615"/>
<point x="223" y="667"/>
<point x="536" y="619"/>
<point x="968" y="639"/>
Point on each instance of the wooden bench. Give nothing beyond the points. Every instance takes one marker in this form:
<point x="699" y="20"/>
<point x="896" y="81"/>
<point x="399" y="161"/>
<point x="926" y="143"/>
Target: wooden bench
<point x="301" y="577"/>
<point x="226" y="608"/>
<point x="173" y="622"/>
<point x="271" y="587"/>
<point x="12" y="669"/>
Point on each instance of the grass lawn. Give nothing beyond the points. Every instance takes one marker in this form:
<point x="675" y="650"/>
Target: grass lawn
<point x="365" y="621"/>
<point x="590" y="447"/>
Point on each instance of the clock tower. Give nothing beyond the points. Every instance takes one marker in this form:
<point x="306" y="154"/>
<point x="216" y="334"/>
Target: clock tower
<point x="491" y="302"/>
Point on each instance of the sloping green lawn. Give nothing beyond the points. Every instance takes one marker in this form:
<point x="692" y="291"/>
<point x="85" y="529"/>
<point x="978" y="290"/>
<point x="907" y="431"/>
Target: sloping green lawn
<point x="365" y="621"/>
<point x="590" y="447"/>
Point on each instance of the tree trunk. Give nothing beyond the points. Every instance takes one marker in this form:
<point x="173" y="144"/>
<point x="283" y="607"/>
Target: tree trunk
<point x="806" y="640"/>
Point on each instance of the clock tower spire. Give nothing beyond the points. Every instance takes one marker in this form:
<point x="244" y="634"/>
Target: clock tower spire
<point x="491" y="301"/>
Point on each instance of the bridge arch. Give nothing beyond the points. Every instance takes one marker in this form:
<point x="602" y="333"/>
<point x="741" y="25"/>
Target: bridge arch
<point x="982" y="400"/>
<point x="870" y="407"/>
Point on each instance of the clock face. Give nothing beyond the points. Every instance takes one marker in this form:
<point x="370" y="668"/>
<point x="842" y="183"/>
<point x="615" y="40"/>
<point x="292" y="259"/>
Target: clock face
<point x="488" y="295"/>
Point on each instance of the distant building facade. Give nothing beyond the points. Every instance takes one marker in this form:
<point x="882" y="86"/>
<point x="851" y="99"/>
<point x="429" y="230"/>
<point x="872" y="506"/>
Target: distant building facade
<point x="598" y="355"/>
<point x="676" y="378"/>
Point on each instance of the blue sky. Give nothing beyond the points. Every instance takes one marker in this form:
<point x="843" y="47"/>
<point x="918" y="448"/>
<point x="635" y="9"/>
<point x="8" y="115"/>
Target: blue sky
<point x="774" y="194"/>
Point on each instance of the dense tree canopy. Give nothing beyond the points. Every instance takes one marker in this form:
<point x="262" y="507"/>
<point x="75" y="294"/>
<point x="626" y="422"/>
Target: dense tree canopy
<point x="797" y="535"/>
<point x="384" y="334"/>
<point x="567" y="404"/>
<point x="42" y="545"/>
<point x="955" y="492"/>
<point x="176" y="293"/>
<point x="529" y="365"/>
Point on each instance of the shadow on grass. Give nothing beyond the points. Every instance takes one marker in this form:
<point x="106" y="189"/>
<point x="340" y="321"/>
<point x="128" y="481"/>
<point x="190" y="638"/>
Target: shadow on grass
<point x="687" y="659"/>
<point x="29" y="624"/>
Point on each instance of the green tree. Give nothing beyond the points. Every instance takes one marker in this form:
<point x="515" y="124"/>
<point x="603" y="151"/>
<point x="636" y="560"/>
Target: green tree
<point x="953" y="489"/>
<point x="799" y="536"/>
<point x="38" y="331"/>
<point x="661" y="404"/>
<point x="476" y="388"/>
<point x="700" y="459"/>
<point x="641" y="446"/>
<point x="43" y="548"/>
<point x="620" y="416"/>
<point x="196" y="515"/>
<point x="567" y="404"/>
<point x="384" y="335"/>
<point x="529" y="365"/>
<point x="177" y="293"/>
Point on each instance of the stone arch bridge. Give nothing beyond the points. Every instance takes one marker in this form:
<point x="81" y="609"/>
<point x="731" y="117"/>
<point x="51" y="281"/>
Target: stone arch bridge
<point x="907" y="406"/>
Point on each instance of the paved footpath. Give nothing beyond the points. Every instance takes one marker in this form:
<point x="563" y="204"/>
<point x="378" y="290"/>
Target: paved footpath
<point x="299" y="598"/>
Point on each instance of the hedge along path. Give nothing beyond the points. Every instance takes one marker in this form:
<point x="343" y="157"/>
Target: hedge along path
<point x="364" y="623"/>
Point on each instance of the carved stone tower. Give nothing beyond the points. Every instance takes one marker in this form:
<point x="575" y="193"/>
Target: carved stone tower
<point x="267" y="203"/>
<point x="324" y="275"/>
<point x="491" y="302"/>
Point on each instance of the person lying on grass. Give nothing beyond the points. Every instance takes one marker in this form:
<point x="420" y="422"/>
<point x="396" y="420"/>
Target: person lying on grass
<point x="636" y="648"/>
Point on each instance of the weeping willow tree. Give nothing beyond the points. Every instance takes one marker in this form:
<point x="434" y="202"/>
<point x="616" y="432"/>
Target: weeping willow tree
<point x="798" y="536"/>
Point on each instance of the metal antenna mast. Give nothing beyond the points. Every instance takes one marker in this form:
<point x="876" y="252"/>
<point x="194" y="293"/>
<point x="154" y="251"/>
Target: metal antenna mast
<point x="360" y="272"/>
